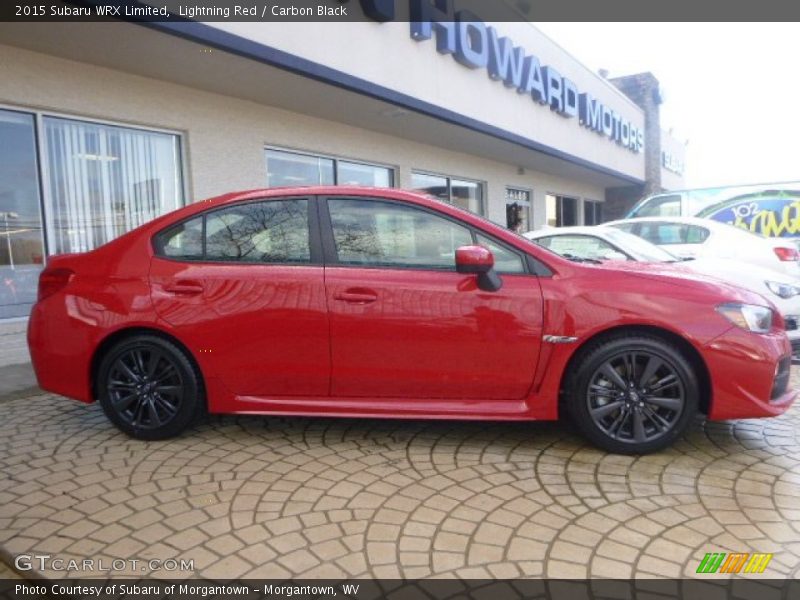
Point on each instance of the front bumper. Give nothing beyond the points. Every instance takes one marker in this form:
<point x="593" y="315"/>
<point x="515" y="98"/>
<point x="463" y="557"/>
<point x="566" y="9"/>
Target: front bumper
<point x="750" y="374"/>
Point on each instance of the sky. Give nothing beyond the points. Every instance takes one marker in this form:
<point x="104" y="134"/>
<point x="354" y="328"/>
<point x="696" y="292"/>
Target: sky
<point x="731" y="89"/>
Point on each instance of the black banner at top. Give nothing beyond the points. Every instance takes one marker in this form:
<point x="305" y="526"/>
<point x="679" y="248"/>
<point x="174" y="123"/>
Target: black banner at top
<point x="334" y="11"/>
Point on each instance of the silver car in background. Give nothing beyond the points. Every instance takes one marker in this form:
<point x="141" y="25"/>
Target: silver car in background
<point x="603" y="242"/>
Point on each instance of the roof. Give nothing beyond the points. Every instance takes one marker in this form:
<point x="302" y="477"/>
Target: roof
<point x="707" y="223"/>
<point x="411" y="197"/>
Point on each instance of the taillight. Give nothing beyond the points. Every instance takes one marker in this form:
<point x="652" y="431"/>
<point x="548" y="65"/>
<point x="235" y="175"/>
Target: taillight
<point x="787" y="254"/>
<point x="52" y="280"/>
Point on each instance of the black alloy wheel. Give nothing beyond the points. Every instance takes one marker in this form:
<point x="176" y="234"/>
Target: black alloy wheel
<point x="634" y="395"/>
<point x="149" y="388"/>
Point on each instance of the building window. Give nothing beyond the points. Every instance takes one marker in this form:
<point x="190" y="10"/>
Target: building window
<point x="295" y="169"/>
<point x="104" y="180"/>
<point x="21" y="247"/>
<point x="518" y="209"/>
<point x="562" y="211"/>
<point x="461" y="192"/>
<point x="350" y="173"/>
<point x="592" y="212"/>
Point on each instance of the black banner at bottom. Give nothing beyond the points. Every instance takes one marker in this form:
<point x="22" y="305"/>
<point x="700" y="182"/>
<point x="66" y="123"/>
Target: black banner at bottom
<point x="708" y="588"/>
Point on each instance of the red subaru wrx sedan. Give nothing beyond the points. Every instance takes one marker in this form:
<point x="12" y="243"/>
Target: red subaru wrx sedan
<point x="340" y="301"/>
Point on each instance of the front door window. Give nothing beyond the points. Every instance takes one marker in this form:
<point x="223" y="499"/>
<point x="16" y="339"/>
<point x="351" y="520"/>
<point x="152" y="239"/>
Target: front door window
<point x="370" y="233"/>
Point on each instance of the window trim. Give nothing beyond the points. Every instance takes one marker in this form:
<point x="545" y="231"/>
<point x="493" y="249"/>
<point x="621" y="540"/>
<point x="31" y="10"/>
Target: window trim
<point x="331" y="256"/>
<point x="314" y="243"/>
<point x="393" y="169"/>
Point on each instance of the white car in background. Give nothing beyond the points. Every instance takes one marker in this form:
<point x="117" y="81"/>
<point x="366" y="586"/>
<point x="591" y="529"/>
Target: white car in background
<point x="695" y="237"/>
<point x="608" y="243"/>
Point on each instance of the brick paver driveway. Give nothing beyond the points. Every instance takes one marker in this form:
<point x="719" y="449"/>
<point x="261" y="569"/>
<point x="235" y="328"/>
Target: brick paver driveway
<point x="276" y="497"/>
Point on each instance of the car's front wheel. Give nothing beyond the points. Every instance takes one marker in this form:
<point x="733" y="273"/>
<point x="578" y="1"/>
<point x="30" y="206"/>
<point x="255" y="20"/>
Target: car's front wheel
<point x="633" y="395"/>
<point x="149" y="388"/>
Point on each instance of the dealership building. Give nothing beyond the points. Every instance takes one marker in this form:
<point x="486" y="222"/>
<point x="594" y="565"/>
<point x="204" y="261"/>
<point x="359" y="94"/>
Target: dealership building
<point x="105" y="125"/>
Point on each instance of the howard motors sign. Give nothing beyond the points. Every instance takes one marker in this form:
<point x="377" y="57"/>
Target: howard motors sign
<point x="475" y="45"/>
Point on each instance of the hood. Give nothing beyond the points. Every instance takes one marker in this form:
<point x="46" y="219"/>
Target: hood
<point x="733" y="271"/>
<point x="679" y="274"/>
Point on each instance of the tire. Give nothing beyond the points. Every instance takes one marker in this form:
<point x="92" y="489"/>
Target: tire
<point x="632" y="419"/>
<point x="149" y="388"/>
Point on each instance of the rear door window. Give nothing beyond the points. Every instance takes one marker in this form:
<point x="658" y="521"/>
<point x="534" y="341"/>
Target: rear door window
<point x="273" y="231"/>
<point x="268" y="231"/>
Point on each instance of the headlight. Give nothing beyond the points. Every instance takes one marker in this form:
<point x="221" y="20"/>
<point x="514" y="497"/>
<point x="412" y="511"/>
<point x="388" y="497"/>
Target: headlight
<point x="784" y="290"/>
<point x="748" y="316"/>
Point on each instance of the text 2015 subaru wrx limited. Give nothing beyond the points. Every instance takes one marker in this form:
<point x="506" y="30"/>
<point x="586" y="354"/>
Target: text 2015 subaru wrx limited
<point x="337" y="301"/>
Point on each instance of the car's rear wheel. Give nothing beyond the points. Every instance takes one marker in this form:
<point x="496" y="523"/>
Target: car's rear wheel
<point x="633" y="395"/>
<point x="149" y="388"/>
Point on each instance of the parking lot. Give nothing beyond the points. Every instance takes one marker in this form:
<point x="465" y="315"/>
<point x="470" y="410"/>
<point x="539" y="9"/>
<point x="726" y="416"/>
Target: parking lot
<point x="278" y="497"/>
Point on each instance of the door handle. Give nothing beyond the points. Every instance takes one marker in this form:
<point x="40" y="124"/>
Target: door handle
<point x="184" y="288"/>
<point x="356" y="296"/>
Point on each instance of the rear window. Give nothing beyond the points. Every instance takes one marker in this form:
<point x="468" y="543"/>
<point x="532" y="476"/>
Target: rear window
<point x="663" y="234"/>
<point x="660" y="206"/>
<point x="267" y="232"/>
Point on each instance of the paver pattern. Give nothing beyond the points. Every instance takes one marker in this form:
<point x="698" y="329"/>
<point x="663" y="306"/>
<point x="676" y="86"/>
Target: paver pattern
<point x="13" y="343"/>
<point x="295" y="497"/>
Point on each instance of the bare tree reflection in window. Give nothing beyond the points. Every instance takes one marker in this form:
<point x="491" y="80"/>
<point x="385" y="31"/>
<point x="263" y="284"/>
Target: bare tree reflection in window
<point x="378" y="233"/>
<point x="266" y="232"/>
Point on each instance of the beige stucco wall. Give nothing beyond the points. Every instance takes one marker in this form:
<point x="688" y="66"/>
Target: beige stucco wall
<point x="386" y="55"/>
<point x="224" y="137"/>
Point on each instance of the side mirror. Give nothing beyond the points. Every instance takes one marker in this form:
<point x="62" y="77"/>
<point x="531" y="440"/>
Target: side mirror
<point x="474" y="259"/>
<point x="477" y="260"/>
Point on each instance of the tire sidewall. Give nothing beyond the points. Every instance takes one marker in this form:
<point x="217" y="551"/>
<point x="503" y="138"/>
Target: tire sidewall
<point x="577" y="394"/>
<point x="190" y="405"/>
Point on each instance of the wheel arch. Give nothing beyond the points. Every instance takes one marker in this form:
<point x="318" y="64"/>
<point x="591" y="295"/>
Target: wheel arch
<point x="128" y="332"/>
<point x="685" y="346"/>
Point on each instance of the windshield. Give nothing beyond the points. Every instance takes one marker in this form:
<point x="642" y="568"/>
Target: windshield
<point x="640" y="249"/>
